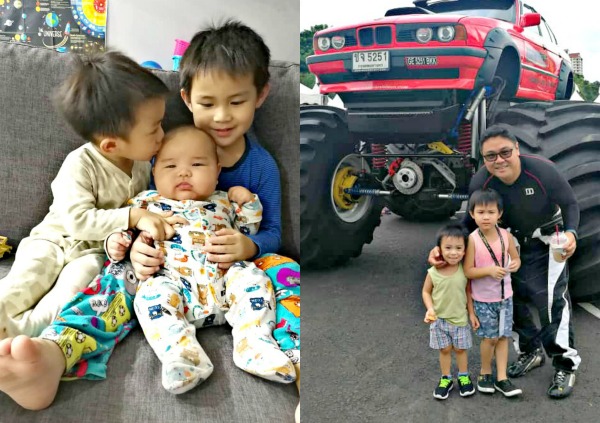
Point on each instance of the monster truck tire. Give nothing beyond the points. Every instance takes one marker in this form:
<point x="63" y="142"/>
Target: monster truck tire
<point x="411" y="209"/>
<point x="325" y="239"/>
<point x="568" y="133"/>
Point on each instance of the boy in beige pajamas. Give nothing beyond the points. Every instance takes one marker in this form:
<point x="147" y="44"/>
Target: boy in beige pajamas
<point x="122" y="122"/>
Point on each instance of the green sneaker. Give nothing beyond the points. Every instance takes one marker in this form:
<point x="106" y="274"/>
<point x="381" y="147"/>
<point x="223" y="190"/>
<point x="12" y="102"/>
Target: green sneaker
<point x="465" y="386"/>
<point x="443" y="389"/>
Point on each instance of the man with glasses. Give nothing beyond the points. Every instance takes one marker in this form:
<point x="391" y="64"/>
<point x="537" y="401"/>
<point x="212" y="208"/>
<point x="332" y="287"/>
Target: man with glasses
<point x="536" y="197"/>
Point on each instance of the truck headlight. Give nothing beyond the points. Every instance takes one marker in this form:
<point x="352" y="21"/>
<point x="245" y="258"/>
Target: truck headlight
<point x="445" y="33"/>
<point x="324" y="43"/>
<point x="338" y="41"/>
<point x="424" y="35"/>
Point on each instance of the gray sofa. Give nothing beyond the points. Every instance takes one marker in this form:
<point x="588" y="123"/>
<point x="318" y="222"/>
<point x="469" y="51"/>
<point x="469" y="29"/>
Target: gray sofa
<point x="33" y="142"/>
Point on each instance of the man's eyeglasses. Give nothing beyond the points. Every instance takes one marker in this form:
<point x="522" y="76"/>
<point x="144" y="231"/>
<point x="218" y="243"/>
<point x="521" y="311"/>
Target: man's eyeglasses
<point x="492" y="157"/>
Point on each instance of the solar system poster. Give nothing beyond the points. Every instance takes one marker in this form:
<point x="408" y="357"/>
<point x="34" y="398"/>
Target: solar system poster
<point x="63" y="25"/>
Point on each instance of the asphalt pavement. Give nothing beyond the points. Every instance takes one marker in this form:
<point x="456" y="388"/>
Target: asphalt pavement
<point x="365" y="347"/>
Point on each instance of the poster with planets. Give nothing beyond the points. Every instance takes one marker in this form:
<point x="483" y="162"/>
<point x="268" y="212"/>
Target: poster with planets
<point x="63" y="25"/>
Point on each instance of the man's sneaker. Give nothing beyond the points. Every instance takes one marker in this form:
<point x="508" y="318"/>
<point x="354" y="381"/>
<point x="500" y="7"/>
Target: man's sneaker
<point x="507" y="388"/>
<point x="526" y="362"/>
<point x="443" y="388"/>
<point x="485" y="383"/>
<point x="465" y="386"/>
<point x="562" y="384"/>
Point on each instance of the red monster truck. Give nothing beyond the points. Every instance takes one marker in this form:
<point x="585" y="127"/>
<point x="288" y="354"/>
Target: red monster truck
<point x="420" y="86"/>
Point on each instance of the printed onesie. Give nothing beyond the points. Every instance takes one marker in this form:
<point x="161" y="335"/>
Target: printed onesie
<point x="190" y="292"/>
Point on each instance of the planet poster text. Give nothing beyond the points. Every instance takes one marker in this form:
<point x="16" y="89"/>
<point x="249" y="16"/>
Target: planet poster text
<point x="62" y="25"/>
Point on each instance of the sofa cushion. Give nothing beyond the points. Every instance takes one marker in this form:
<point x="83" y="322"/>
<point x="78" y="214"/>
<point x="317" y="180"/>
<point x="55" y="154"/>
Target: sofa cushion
<point x="34" y="139"/>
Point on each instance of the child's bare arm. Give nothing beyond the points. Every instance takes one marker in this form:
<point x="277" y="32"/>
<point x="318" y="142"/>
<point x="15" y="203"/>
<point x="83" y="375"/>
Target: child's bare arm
<point x="515" y="260"/>
<point x="470" y="308"/>
<point x="430" y="315"/>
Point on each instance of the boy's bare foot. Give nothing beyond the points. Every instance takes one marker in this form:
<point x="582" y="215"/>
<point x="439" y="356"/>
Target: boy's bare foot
<point x="30" y="370"/>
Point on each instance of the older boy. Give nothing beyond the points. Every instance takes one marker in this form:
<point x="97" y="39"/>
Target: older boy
<point x="224" y="79"/>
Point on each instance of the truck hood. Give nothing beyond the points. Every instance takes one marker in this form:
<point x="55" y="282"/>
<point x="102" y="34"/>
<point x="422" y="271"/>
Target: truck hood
<point x="408" y="19"/>
<point x="425" y="19"/>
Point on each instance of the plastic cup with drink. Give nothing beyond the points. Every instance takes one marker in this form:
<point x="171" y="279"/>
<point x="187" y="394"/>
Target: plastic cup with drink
<point x="558" y="241"/>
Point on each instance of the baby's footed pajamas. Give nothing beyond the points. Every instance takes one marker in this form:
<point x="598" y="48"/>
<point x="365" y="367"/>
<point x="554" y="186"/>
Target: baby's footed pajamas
<point x="190" y="292"/>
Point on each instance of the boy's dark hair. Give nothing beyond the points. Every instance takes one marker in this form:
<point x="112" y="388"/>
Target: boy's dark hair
<point x="102" y="94"/>
<point x="452" y="230"/>
<point x="176" y="113"/>
<point x="496" y="131"/>
<point x="485" y="196"/>
<point x="232" y="47"/>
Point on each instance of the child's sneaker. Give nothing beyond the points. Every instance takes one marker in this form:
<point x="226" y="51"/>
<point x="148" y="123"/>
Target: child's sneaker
<point x="443" y="388"/>
<point x="507" y="388"/>
<point x="485" y="384"/>
<point x="465" y="386"/>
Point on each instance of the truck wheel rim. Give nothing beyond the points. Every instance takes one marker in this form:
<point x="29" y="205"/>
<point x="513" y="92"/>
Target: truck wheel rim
<point x="348" y="208"/>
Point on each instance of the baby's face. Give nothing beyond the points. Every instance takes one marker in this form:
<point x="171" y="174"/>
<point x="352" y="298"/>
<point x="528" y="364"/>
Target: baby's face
<point x="186" y="166"/>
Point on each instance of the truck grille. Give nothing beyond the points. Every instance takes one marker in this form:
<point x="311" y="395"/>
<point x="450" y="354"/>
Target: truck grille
<point x="381" y="35"/>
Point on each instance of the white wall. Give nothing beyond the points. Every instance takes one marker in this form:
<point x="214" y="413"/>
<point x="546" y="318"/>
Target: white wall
<point x="147" y="29"/>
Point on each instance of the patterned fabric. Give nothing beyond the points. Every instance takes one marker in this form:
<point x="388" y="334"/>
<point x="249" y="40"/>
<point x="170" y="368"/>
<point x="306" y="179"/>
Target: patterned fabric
<point x="285" y="275"/>
<point x="491" y="322"/>
<point x="93" y="322"/>
<point x="189" y="291"/>
<point x="443" y="334"/>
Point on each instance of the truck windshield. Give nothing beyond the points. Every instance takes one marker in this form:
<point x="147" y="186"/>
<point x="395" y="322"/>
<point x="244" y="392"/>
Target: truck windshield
<point x="498" y="9"/>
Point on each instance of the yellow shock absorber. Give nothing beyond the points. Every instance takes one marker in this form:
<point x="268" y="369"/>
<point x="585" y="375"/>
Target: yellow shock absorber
<point x="441" y="147"/>
<point x="343" y="179"/>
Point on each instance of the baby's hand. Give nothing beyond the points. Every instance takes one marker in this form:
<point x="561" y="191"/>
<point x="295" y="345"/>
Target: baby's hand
<point x="117" y="245"/>
<point x="240" y="195"/>
<point x="498" y="272"/>
<point x="430" y="316"/>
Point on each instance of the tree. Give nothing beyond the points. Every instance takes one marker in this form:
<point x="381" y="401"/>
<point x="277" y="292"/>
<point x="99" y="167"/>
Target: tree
<point x="306" y="49"/>
<point x="587" y="90"/>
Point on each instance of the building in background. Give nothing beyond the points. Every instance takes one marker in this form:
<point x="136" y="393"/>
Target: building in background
<point x="577" y="62"/>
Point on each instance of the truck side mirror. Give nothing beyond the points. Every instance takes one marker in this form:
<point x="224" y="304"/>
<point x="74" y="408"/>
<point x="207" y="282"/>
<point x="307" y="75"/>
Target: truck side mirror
<point x="530" y="19"/>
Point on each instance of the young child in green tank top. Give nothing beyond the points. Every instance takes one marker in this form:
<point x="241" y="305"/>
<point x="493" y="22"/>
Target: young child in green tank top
<point x="445" y="297"/>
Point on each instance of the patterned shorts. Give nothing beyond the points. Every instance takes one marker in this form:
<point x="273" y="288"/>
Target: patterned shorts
<point x="489" y="318"/>
<point x="442" y="334"/>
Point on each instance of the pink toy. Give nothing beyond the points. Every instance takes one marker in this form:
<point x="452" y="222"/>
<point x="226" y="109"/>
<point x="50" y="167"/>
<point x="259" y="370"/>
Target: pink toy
<point x="180" y="47"/>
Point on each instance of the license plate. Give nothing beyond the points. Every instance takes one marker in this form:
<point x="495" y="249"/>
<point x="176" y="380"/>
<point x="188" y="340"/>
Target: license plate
<point x="421" y="60"/>
<point x="371" y="61"/>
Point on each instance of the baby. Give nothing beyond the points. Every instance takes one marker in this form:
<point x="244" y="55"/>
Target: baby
<point x="189" y="291"/>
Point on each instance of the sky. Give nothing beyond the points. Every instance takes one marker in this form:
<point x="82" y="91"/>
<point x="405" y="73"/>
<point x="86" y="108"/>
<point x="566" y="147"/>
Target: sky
<point x="574" y="24"/>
